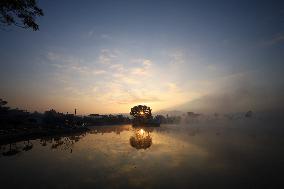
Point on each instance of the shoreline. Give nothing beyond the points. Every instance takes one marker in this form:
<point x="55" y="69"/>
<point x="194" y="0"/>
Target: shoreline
<point x="34" y="134"/>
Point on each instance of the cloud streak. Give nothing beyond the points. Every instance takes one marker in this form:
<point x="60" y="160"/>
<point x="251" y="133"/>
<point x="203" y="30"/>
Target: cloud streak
<point x="276" y="39"/>
<point x="114" y="78"/>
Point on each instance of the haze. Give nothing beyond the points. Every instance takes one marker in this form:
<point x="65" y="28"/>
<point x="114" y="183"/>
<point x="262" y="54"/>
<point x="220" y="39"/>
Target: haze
<point x="107" y="56"/>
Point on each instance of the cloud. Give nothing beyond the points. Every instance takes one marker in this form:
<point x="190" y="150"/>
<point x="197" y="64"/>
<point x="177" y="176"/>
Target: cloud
<point x="115" y="78"/>
<point x="126" y="79"/>
<point x="106" y="56"/>
<point x="119" y="68"/>
<point x="140" y="100"/>
<point x="147" y="63"/>
<point x="241" y="100"/>
<point x="106" y="36"/>
<point x="212" y="67"/>
<point x="144" y="67"/>
<point x="67" y="63"/>
<point x="58" y="58"/>
<point x="99" y="72"/>
<point x="124" y="96"/>
<point x="172" y="87"/>
<point x="236" y="93"/>
<point x="95" y="34"/>
<point x="176" y="57"/>
<point x="279" y="38"/>
<point x="91" y="33"/>
<point x="139" y="71"/>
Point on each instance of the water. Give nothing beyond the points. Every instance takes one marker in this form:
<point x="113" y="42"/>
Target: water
<point x="244" y="154"/>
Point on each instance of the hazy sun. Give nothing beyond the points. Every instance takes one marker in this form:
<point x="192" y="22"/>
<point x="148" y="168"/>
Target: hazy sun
<point x="141" y="131"/>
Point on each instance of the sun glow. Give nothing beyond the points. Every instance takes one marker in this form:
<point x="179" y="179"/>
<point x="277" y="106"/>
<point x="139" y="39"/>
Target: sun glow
<point x="141" y="131"/>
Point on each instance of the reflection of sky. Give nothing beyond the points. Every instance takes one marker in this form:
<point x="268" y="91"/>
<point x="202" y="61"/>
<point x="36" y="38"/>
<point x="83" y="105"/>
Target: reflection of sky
<point x="216" y="154"/>
<point x="106" y="56"/>
<point x="105" y="158"/>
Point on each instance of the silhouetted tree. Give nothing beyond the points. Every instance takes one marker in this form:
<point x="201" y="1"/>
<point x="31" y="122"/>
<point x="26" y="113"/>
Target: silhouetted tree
<point x="53" y="118"/>
<point x="248" y="114"/>
<point x="2" y="103"/>
<point x="141" y="112"/>
<point x="161" y="119"/>
<point x="21" y="13"/>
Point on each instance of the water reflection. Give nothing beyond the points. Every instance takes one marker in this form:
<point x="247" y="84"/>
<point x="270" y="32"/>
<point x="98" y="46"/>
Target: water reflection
<point x="65" y="143"/>
<point x="141" y="139"/>
<point x="109" y="129"/>
<point x="11" y="150"/>
<point x="27" y="146"/>
<point x="190" y="156"/>
<point x="15" y="148"/>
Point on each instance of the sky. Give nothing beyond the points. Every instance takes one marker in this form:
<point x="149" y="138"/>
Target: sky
<point x="107" y="56"/>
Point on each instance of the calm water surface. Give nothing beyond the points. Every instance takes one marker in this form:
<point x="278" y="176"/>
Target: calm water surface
<point x="243" y="154"/>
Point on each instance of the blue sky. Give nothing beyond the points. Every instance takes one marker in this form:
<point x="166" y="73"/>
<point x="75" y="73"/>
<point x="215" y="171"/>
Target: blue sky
<point x="106" y="56"/>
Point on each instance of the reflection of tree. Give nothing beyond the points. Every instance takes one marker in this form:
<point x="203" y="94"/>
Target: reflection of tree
<point x="109" y="129"/>
<point x="56" y="143"/>
<point x="141" y="139"/>
<point x="65" y="143"/>
<point x="43" y="142"/>
<point x="27" y="146"/>
<point x="13" y="150"/>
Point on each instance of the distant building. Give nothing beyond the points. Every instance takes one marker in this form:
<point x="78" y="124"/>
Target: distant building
<point x="192" y="114"/>
<point x="95" y="116"/>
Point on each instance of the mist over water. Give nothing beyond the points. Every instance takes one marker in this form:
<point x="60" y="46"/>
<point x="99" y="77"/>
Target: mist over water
<point x="218" y="153"/>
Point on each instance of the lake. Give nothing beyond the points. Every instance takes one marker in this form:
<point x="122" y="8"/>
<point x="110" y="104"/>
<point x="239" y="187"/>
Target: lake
<point x="204" y="154"/>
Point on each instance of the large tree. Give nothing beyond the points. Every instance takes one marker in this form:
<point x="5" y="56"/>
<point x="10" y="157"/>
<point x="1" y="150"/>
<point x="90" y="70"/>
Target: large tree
<point x="141" y="112"/>
<point x="21" y="13"/>
<point x="2" y="102"/>
<point x="3" y="108"/>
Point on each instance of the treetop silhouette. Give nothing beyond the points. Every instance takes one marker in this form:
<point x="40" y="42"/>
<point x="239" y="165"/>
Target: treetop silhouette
<point x="141" y="112"/>
<point x="21" y="13"/>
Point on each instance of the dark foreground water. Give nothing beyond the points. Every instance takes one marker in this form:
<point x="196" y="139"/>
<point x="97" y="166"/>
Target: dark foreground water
<point x="208" y="154"/>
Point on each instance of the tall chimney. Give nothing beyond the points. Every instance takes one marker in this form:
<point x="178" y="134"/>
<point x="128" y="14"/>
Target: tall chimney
<point x="75" y="111"/>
